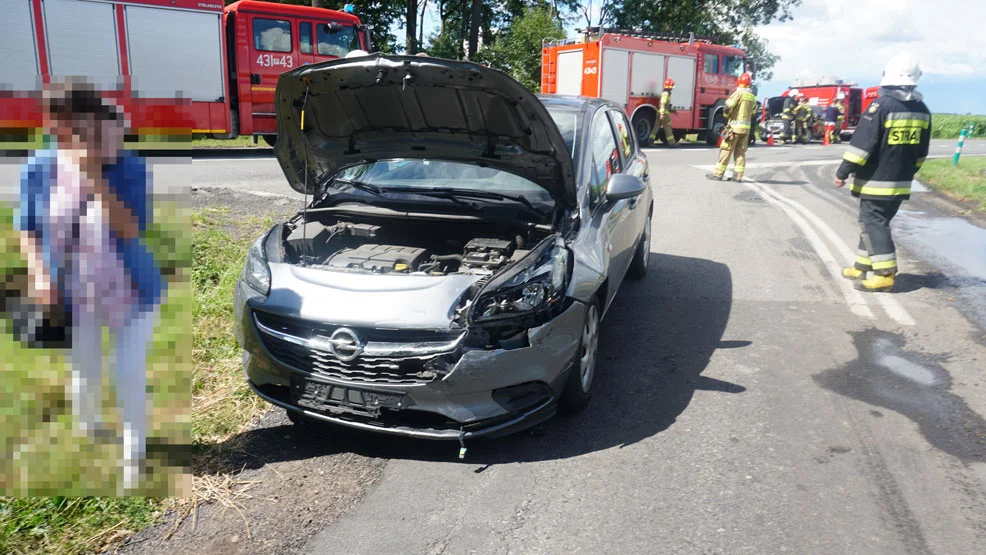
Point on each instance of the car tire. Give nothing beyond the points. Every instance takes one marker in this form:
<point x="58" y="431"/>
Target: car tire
<point x="578" y="387"/>
<point x="641" y="257"/>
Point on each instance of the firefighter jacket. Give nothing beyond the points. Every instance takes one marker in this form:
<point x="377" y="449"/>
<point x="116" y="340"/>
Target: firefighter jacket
<point x="739" y="109"/>
<point x="665" y="106"/>
<point x="801" y="111"/>
<point x="788" y="110"/>
<point x="889" y="145"/>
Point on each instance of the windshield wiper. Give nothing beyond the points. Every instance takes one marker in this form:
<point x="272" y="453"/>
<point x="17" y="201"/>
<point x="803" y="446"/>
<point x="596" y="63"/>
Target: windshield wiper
<point x="473" y="193"/>
<point x="373" y="189"/>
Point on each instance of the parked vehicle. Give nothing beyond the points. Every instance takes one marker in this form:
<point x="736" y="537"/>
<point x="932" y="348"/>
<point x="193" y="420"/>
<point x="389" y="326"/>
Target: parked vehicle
<point x="629" y="69"/>
<point x="464" y="241"/>
<point x="179" y="67"/>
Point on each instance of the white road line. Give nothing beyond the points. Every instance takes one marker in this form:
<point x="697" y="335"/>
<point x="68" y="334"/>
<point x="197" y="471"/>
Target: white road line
<point x="892" y="307"/>
<point x="855" y="301"/>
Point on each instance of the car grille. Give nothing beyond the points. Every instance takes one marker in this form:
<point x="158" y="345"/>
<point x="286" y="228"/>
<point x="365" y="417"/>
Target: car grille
<point x="287" y="339"/>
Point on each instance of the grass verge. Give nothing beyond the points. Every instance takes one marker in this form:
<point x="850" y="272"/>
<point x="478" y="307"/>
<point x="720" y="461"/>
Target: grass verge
<point x="948" y="126"/>
<point x="222" y="403"/>
<point x="967" y="181"/>
<point x="239" y="142"/>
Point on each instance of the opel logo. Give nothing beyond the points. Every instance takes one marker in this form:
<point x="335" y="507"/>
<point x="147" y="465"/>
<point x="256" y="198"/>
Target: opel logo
<point x="345" y="345"/>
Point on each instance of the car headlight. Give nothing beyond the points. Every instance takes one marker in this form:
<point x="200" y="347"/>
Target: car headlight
<point x="532" y="286"/>
<point x="256" y="271"/>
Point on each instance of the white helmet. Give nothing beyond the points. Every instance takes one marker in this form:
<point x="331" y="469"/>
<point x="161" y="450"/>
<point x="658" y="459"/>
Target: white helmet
<point x="793" y="93"/>
<point x="840" y="96"/>
<point x="902" y="71"/>
<point x="357" y="53"/>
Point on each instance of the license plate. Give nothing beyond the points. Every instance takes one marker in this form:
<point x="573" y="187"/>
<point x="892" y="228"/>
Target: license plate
<point x="332" y="398"/>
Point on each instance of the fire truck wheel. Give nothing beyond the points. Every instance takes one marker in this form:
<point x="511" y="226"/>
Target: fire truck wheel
<point x="270" y="139"/>
<point x="718" y="123"/>
<point x="643" y="125"/>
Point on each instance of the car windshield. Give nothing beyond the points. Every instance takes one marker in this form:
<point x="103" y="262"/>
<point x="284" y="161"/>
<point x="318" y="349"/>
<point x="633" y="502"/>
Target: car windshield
<point x="569" y="122"/>
<point x="439" y="174"/>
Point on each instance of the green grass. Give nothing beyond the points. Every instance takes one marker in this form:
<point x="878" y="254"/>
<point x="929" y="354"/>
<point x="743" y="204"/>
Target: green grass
<point x="966" y="181"/>
<point x="32" y="384"/>
<point x="239" y="142"/>
<point x="948" y="126"/>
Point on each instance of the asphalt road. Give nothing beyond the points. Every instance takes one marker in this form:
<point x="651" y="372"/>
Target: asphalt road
<point x="748" y="399"/>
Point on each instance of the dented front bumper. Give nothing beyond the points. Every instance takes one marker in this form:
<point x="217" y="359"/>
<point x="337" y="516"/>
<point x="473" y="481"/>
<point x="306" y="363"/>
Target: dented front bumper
<point x="479" y="391"/>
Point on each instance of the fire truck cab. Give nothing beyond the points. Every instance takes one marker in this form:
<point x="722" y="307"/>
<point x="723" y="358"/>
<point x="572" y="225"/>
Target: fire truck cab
<point x="178" y="67"/>
<point x="629" y="68"/>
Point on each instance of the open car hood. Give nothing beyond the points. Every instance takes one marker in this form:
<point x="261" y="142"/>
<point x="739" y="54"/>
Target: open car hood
<point x="384" y="107"/>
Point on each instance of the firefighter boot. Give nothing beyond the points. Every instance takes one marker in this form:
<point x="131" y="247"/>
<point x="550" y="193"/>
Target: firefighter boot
<point x="713" y="177"/>
<point x="876" y="284"/>
<point x="853" y="273"/>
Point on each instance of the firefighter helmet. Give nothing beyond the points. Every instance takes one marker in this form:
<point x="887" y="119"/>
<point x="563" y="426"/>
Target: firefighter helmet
<point x="840" y="96"/>
<point x="744" y="80"/>
<point x="793" y="93"/>
<point x="669" y="83"/>
<point x="901" y="71"/>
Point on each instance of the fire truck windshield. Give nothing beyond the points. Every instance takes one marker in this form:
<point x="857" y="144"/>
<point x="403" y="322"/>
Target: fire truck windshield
<point x="336" y="40"/>
<point x="732" y="65"/>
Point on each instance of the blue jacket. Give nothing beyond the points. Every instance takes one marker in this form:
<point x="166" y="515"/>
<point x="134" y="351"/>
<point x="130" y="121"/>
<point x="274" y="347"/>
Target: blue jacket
<point x="128" y="179"/>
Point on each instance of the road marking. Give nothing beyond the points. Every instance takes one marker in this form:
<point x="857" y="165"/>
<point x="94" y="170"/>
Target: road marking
<point x="855" y="301"/>
<point x="890" y="305"/>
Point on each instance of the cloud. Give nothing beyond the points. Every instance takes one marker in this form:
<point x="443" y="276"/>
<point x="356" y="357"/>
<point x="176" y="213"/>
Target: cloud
<point x="855" y="38"/>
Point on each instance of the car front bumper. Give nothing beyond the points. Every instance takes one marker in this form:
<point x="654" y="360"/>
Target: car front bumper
<point x="480" y="392"/>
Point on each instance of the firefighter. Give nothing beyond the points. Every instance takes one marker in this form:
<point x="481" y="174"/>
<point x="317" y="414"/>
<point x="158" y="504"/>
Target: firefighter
<point x="802" y="111"/>
<point x="739" y="109"/>
<point x="831" y="121"/>
<point x="665" y="109"/>
<point x="888" y="147"/>
<point x="841" y="117"/>
<point x="787" y="114"/>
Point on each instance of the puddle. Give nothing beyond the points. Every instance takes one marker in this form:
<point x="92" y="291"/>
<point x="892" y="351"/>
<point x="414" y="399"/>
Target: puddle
<point x="957" y="248"/>
<point x="912" y="384"/>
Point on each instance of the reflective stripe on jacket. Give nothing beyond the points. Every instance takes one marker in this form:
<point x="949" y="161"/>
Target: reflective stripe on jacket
<point x="888" y="147"/>
<point x="740" y="107"/>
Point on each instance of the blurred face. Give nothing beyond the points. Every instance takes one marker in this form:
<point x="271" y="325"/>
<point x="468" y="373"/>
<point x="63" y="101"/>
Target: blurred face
<point x="98" y="140"/>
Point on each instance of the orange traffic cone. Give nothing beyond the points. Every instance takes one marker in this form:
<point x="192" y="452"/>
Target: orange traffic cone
<point x="770" y="139"/>
<point x="826" y="140"/>
<point x="719" y="141"/>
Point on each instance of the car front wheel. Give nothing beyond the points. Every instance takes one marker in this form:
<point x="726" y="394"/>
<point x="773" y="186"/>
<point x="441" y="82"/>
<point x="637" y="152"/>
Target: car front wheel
<point x="578" y="387"/>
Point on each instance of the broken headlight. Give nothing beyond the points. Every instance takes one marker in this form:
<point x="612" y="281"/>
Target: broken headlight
<point x="532" y="286"/>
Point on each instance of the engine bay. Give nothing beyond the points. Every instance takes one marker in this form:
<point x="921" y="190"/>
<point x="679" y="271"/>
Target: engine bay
<point x="407" y="247"/>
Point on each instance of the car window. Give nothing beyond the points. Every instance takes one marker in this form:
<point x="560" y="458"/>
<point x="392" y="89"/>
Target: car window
<point x="626" y="143"/>
<point x="335" y="39"/>
<point x="605" y="157"/>
<point x="271" y="35"/>
<point x="712" y="63"/>
<point x="732" y="65"/>
<point x="569" y="123"/>
<point x="305" y="37"/>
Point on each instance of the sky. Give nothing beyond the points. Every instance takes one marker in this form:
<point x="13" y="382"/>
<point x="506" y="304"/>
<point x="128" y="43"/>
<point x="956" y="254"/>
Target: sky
<point x="853" y="39"/>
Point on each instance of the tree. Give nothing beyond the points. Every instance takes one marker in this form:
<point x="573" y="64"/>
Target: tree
<point x="411" y="21"/>
<point x="517" y="48"/>
<point x="727" y="21"/>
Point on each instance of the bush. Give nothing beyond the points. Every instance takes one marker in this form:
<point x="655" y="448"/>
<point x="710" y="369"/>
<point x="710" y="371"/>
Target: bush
<point x="948" y="126"/>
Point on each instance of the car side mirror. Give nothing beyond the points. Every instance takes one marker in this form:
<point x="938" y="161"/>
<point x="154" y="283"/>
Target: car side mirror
<point x="623" y="186"/>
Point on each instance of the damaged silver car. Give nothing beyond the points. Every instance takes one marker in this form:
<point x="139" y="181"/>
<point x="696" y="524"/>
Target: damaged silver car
<point x="462" y="242"/>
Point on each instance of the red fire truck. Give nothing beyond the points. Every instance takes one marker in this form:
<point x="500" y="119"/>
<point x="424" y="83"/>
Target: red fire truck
<point x="179" y="67"/>
<point x="822" y="92"/>
<point x="630" y="68"/>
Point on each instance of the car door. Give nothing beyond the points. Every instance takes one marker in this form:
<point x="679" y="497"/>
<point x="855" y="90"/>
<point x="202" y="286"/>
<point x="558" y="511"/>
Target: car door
<point x="608" y="217"/>
<point x="635" y="164"/>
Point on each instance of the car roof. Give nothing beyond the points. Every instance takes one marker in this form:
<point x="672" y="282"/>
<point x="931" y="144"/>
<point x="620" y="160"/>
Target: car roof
<point x="575" y="103"/>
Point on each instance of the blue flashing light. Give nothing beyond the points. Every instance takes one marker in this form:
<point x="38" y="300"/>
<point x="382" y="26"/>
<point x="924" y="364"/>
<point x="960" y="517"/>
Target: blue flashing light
<point x="349" y="8"/>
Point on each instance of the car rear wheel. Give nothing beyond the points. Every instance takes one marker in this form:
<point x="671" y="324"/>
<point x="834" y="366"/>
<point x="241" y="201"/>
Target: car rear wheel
<point x="641" y="258"/>
<point x="578" y="387"/>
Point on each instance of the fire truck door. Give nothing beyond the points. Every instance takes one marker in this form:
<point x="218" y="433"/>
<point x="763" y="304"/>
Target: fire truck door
<point x="569" y="72"/>
<point x="854" y="107"/>
<point x="18" y="47"/>
<point x="272" y="52"/>
<point x="615" y="75"/>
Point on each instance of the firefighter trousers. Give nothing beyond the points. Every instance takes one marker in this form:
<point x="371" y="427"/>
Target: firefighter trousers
<point x="876" y="252"/>
<point x="733" y="147"/>
<point x="664" y="123"/>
